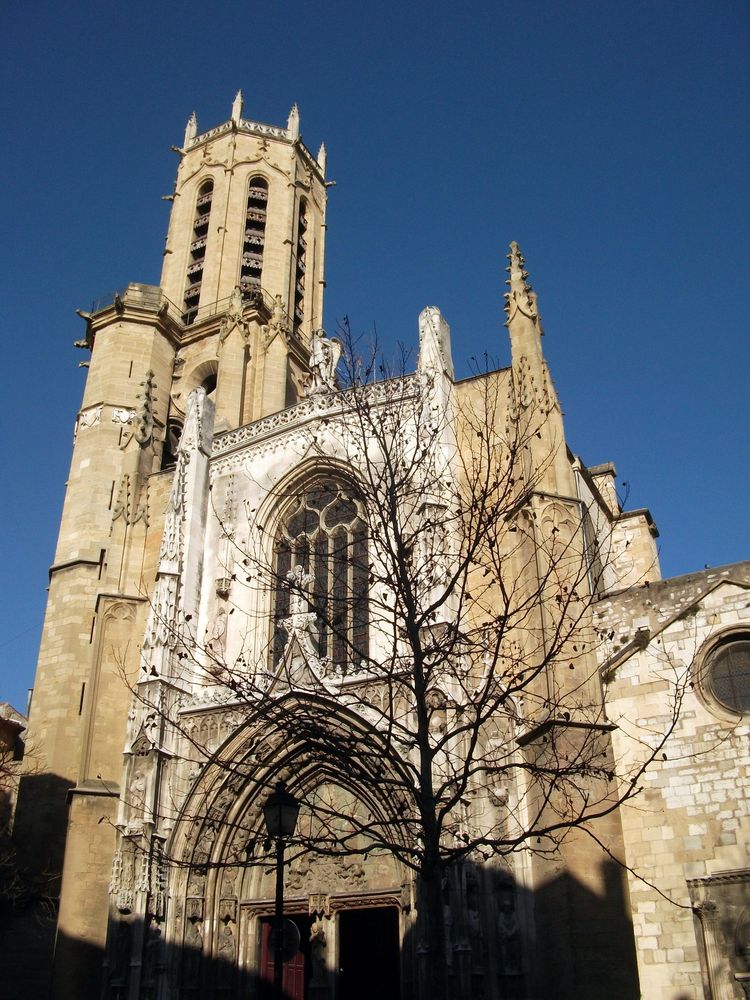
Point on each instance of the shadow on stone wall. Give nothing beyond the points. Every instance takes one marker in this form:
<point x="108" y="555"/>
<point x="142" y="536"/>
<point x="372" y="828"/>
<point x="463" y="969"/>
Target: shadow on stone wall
<point x="584" y="939"/>
<point x="28" y="913"/>
<point x="580" y="946"/>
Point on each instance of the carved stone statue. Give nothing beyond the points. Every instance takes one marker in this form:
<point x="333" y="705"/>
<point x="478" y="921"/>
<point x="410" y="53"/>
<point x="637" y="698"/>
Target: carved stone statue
<point x="507" y="932"/>
<point x="227" y="954"/>
<point x="318" y="952"/>
<point x="193" y="948"/>
<point x="324" y="357"/>
<point x="234" y="317"/>
<point x="235" y="304"/>
<point x="278" y="322"/>
<point x="138" y="790"/>
<point x="301" y="625"/>
<point x="299" y="584"/>
<point x="215" y="633"/>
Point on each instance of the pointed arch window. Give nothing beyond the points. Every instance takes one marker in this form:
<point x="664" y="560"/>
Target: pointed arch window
<point x="194" y="278"/>
<point x="254" y="240"/>
<point x="323" y="530"/>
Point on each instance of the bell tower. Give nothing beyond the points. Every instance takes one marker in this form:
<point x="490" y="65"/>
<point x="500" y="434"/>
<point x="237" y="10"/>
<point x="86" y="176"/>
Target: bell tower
<point x="243" y="264"/>
<point x="241" y="294"/>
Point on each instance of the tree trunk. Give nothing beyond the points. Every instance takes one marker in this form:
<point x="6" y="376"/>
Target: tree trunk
<point x="434" y="977"/>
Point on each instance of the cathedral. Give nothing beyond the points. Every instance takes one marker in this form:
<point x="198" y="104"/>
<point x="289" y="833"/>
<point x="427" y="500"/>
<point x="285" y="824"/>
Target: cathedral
<point x="520" y="756"/>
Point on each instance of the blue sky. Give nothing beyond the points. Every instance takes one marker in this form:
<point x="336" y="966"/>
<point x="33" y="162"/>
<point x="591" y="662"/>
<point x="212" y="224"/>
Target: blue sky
<point x="609" y="139"/>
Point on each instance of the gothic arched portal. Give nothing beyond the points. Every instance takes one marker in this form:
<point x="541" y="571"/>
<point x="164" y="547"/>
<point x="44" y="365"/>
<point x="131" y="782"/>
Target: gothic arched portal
<point x="221" y="886"/>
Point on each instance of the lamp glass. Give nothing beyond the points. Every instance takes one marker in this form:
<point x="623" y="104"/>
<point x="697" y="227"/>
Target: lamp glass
<point x="280" y="813"/>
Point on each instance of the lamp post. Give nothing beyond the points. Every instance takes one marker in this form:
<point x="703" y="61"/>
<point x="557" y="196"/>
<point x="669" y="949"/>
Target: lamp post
<point x="280" y="813"/>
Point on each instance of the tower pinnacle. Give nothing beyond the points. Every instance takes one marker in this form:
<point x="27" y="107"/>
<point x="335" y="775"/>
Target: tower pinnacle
<point x="191" y="129"/>
<point x="293" y="122"/>
<point x="532" y="381"/>
<point x="521" y="296"/>
<point x="237" y="105"/>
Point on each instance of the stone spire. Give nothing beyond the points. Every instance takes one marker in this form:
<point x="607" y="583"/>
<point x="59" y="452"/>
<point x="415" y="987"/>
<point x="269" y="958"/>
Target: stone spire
<point x="191" y="129"/>
<point x="521" y="295"/>
<point x="532" y="381"/>
<point x="321" y="158"/>
<point x="237" y="106"/>
<point x="293" y="122"/>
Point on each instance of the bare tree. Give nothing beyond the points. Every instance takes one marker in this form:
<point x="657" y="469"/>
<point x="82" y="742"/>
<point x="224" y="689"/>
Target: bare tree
<point x="414" y="622"/>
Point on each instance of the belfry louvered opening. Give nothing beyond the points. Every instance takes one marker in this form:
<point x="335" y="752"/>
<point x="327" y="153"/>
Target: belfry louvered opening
<point x="299" y="275"/>
<point x="194" y="278"/>
<point x="254" y="239"/>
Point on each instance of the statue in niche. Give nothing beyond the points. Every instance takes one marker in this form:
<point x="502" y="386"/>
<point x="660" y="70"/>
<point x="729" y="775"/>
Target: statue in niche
<point x="324" y="358"/>
<point x="227" y="886"/>
<point x="215" y="634"/>
<point x="507" y="933"/>
<point x="318" y="951"/>
<point x="196" y="884"/>
<point x="227" y="954"/>
<point x="193" y="949"/>
<point x="137" y="795"/>
<point x="138" y="790"/>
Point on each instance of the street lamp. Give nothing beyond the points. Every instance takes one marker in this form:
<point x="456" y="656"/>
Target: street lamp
<point x="280" y="813"/>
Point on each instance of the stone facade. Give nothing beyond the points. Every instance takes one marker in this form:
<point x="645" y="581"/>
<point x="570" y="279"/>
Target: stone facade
<point x="210" y="409"/>
<point x="689" y="830"/>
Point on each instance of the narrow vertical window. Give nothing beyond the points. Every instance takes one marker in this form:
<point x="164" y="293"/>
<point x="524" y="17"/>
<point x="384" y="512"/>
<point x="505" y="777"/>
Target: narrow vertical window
<point x="299" y="276"/>
<point x="197" y="252"/>
<point x="251" y="271"/>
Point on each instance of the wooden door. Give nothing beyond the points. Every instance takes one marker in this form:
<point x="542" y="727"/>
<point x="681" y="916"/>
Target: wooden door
<point x="296" y="971"/>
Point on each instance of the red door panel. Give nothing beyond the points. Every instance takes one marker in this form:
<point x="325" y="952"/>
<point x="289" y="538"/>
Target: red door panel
<point x="296" y="970"/>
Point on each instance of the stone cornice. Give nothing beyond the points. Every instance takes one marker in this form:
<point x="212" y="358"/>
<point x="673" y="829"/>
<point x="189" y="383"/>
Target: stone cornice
<point x="736" y="875"/>
<point x="261" y="130"/>
<point x="539" y="731"/>
<point x="303" y="413"/>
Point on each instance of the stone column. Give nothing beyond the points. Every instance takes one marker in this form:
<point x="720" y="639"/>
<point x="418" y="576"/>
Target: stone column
<point x="720" y="989"/>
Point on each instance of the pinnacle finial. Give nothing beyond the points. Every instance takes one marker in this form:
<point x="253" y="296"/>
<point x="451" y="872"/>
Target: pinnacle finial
<point x="293" y="122"/>
<point x="237" y="106"/>
<point x="322" y="157"/>
<point x="191" y="129"/>
<point x="521" y="296"/>
<point x="517" y="269"/>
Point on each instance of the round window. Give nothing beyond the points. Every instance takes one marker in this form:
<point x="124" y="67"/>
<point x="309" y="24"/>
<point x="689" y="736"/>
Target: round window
<point x="727" y="673"/>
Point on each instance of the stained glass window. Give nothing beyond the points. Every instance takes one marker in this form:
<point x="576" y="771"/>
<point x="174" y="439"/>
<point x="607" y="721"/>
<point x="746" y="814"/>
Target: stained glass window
<point x="324" y="532"/>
